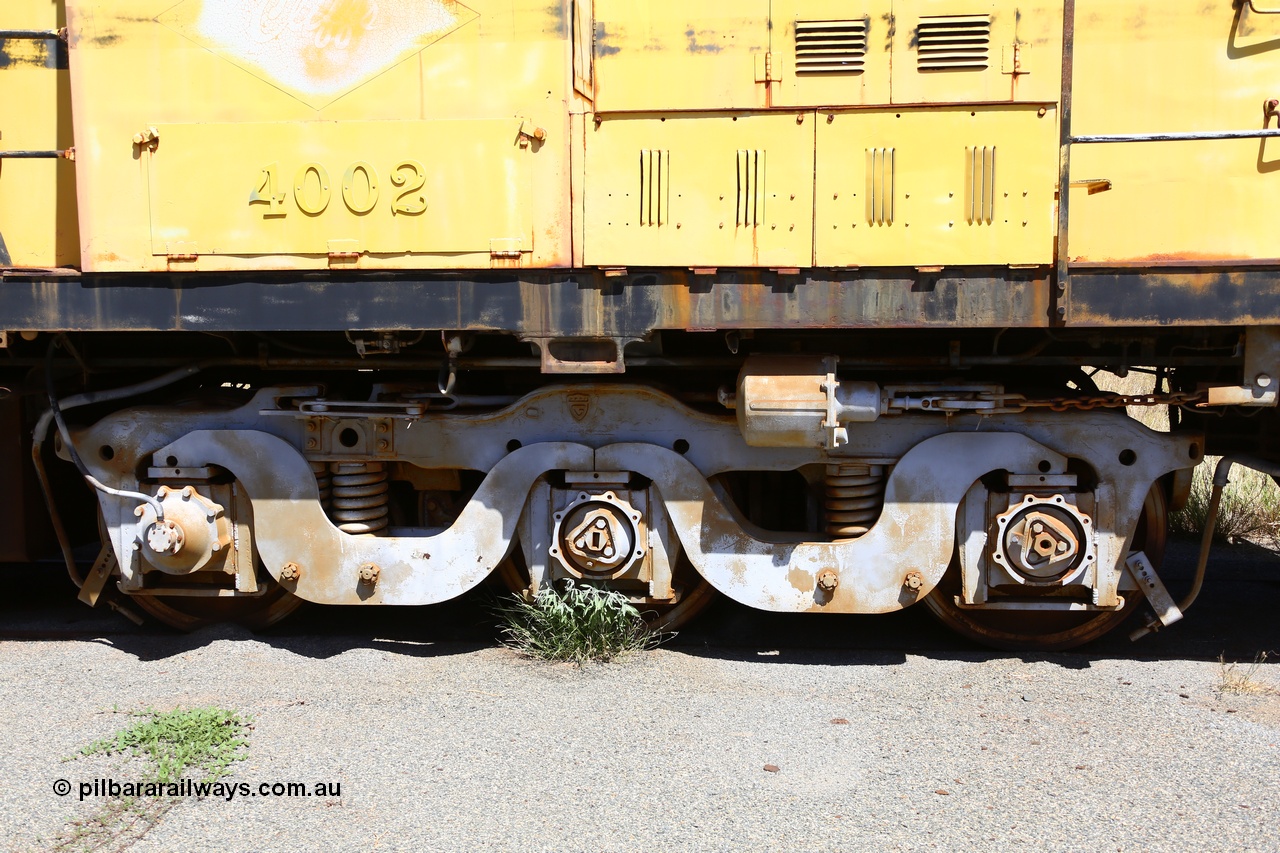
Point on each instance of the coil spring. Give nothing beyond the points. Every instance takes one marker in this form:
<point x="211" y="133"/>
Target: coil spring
<point x="360" y="500"/>
<point x="854" y="498"/>
<point x="324" y="481"/>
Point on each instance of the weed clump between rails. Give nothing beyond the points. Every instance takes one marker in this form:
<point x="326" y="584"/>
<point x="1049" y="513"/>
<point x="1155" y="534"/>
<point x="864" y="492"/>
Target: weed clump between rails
<point x="576" y="623"/>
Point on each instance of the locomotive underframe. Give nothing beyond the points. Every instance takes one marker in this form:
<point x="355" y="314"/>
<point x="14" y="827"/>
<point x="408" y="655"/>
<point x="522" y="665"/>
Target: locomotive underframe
<point x="526" y="443"/>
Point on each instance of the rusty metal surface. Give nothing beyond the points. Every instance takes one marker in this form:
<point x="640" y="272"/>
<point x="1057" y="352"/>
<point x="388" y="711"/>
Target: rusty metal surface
<point x="568" y="304"/>
<point x="1181" y="297"/>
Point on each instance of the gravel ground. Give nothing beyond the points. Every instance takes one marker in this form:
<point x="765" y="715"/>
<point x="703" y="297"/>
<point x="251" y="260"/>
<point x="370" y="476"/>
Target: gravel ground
<point x="442" y="744"/>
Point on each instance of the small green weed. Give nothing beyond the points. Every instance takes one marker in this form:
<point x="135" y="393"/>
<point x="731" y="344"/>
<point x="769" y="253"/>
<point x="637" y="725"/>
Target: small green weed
<point x="1233" y="679"/>
<point x="577" y="623"/>
<point x="208" y="739"/>
<point x="171" y="742"/>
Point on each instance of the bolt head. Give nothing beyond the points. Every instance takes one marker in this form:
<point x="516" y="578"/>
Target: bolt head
<point x="290" y="572"/>
<point x="828" y="580"/>
<point x="369" y="573"/>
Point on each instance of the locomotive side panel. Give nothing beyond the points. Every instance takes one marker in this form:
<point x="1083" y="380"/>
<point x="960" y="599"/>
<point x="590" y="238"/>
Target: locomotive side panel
<point x="265" y="139"/>
<point x="1174" y="67"/>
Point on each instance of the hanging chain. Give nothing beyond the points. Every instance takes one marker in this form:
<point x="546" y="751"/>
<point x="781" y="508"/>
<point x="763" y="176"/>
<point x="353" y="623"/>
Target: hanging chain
<point x="1115" y="401"/>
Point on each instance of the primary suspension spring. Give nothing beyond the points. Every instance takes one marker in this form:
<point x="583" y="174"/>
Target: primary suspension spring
<point x="324" y="481"/>
<point x="360" y="501"/>
<point x="854" y="498"/>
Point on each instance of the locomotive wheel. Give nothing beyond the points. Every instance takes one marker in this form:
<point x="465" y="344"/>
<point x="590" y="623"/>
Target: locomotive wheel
<point x="187" y="613"/>
<point x="698" y="593"/>
<point x="1048" y="631"/>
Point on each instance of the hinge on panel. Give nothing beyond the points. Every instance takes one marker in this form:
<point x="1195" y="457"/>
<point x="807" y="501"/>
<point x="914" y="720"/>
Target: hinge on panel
<point x="1014" y="59"/>
<point x="181" y="252"/>
<point x="504" y="252"/>
<point x="343" y="253"/>
<point x="765" y="70"/>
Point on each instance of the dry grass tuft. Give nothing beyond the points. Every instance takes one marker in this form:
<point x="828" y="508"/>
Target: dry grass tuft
<point x="1243" y="681"/>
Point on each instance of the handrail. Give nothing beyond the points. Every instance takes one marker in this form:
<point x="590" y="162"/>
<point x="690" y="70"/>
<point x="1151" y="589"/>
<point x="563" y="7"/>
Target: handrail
<point x="1178" y="137"/>
<point x="1254" y="9"/>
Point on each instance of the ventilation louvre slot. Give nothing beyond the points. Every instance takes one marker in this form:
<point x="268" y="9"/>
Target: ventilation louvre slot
<point x="880" y="177"/>
<point x="831" y="47"/>
<point x="953" y="43"/>
<point x="655" y="186"/>
<point x="980" y="179"/>
<point x="750" y="204"/>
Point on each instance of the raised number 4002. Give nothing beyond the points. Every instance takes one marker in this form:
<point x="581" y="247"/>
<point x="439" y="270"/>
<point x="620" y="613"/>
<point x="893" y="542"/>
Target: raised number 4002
<point x="311" y="189"/>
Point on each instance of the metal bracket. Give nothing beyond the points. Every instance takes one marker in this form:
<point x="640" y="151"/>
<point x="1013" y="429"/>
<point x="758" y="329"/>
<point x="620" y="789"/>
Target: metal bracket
<point x="1153" y="588"/>
<point x="103" y="568"/>
<point x="1261" y="372"/>
<point x="1093" y="185"/>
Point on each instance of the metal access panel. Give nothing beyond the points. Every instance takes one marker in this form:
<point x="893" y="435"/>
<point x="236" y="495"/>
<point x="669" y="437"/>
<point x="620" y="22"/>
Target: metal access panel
<point x="182" y="106"/>
<point x="680" y="54"/>
<point x="831" y="52"/>
<point x="944" y="186"/>
<point x="337" y="188"/>
<point x="700" y="190"/>
<point x="37" y="196"/>
<point x="1213" y="69"/>
<point x="976" y="50"/>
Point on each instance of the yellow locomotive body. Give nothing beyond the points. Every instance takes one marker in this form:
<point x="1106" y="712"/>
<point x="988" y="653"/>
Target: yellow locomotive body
<point x="799" y="300"/>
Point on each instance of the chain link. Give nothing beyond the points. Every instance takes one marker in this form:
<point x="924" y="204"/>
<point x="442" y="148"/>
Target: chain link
<point x="1107" y="401"/>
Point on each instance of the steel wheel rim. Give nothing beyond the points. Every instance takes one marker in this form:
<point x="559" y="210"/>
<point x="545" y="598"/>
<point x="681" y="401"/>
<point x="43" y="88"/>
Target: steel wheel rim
<point x="1016" y="631"/>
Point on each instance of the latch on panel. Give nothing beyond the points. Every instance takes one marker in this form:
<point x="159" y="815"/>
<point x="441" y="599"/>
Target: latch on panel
<point x="148" y="139"/>
<point x="530" y="132"/>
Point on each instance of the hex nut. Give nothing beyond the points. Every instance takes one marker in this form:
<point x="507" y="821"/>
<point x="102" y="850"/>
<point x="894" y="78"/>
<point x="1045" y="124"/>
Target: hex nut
<point x="369" y="573"/>
<point x="913" y="581"/>
<point x="828" y="580"/>
<point x="290" y="572"/>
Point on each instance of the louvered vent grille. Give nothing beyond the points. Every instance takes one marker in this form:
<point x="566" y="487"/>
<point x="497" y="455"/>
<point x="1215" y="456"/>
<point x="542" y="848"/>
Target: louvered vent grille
<point x="655" y="186"/>
<point x="953" y="43"/>
<point x="980" y="180"/>
<point x="826" y="47"/>
<point x="750" y="203"/>
<point x="881" y="174"/>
